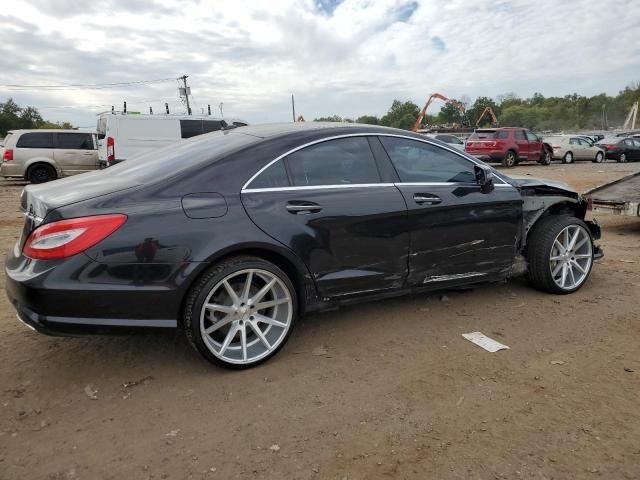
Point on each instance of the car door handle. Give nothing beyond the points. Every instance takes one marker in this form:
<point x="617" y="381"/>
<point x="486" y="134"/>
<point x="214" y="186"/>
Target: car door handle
<point x="427" y="198"/>
<point x="303" y="208"/>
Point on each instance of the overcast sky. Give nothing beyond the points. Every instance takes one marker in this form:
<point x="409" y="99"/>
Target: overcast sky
<point x="348" y="57"/>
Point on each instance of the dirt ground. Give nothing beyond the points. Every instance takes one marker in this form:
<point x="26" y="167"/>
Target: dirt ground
<point x="399" y="392"/>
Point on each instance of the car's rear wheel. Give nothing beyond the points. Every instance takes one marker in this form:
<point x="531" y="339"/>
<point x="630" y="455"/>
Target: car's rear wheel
<point x="510" y="159"/>
<point x="599" y="157"/>
<point x="622" y="158"/>
<point x="545" y="157"/>
<point x="568" y="157"/>
<point x="41" y="173"/>
<point x="241" y="312"/>
<point x="560" y="254"/>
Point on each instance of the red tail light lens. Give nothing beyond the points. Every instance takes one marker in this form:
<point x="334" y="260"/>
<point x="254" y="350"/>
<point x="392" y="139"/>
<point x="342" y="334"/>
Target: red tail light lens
<point x="65" y="238"/>
<point x="111" y="150"/>
<point x="610" y="147"/>
<point x="7" y="156"/>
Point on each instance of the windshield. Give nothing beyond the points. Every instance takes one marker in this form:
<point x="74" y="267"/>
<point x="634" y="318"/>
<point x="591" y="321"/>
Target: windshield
<point x="173" y="159"/>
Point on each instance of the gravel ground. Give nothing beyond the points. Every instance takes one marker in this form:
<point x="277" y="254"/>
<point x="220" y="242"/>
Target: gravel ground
<point x="381" y="390"/>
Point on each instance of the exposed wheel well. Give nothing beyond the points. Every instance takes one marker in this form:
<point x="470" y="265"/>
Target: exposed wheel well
<point x="573" y="209"/>
<point x="277" y="259"/>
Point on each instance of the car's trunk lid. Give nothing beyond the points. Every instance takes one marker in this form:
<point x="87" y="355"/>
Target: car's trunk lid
<point x="37" y="201"/>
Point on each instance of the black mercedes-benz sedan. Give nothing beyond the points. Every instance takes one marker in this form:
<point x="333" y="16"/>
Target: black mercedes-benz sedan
<point x="233" y="235"/>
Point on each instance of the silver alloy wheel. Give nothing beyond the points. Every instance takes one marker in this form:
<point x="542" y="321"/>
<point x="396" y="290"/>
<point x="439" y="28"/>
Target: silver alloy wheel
<point x="623" y="157"/>
<point x="568" y="157"/>
<point x="246" y="316"/>
<point x="599" y="157"/>
<point x="571" y="257"/>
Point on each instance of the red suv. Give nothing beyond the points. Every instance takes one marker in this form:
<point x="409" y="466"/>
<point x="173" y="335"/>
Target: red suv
<point x="508" y="145"/>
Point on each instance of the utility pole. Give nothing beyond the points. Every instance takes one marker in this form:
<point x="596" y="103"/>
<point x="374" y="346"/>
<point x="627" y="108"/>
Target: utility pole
<point x="221" y="113"/>
<point x="186" y="92"/>
<point x="293" y="108"/>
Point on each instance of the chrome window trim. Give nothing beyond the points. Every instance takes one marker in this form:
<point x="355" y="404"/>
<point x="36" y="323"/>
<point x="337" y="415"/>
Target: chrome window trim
<point x="316" y="187"/>
<point x="348" y="135"/>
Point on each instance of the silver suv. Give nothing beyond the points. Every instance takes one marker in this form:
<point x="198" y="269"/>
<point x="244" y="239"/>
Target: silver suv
<point x="43" y="155"/>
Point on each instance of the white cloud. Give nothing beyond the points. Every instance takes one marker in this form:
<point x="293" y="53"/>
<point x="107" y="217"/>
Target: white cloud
<point x="350" y="57"/>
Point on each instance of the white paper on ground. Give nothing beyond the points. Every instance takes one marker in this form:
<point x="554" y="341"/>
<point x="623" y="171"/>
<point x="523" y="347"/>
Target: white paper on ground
<point x="485" y="342"/>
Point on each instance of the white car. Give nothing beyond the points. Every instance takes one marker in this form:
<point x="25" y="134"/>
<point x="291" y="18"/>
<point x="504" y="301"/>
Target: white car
<point x="451" y="140"/>
<point x="122" y="136"/>
<point x="570" y="148"/>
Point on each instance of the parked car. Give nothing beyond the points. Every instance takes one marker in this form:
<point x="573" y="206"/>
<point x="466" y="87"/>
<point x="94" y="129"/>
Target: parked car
<point x="508" y="145"/>
<point x="569" y="148"/>
<point x="451" y="140"/>
<point x="122" y="136"/>
<point x="43" y="155"/>
<point x="234" y="235"/>
<point x="621" y="149"/>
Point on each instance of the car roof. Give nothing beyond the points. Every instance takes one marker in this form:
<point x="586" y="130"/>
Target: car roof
<point x="46" y="130"/>
<point x="269" y="130"/>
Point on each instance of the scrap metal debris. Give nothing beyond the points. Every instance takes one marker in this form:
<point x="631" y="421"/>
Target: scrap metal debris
<point x="489" y="344"/>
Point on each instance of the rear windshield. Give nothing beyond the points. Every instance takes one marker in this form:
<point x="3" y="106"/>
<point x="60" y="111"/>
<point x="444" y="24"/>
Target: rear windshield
<point x="180" y="156"/>
<point x="610" y="141"/>
<point x="488" y="135"/>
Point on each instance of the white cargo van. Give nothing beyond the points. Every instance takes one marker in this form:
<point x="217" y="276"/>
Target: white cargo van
<point x="122" y="136"/>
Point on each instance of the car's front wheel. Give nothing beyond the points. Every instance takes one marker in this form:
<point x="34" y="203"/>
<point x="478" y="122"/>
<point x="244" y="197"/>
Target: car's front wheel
<point x="545" y="157"/>
<point x="560" y="254"/>
<point x="241" y="312"/>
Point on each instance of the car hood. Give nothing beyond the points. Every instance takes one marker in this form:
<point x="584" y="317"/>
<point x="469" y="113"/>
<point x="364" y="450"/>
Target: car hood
<point x="525" y="183"/>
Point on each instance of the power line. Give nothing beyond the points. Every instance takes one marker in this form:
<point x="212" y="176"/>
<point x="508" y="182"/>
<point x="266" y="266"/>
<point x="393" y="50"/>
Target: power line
<point x="92" y="86"/>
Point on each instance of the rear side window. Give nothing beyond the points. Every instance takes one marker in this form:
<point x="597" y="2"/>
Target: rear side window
<point x="336" y="162"/>
<point x="574" y="141"/>
<point x="75" y="141"/>
<point x="272" y="177"/>
<point x="425" y="163"/>
<point x="35" y="140"/>
<point x="193" y="128"/>
<point x="519" y="135"/>
<point x="501" y="135"/>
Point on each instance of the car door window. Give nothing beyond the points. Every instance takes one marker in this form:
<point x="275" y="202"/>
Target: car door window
<point x="273" y="176"/>
<point x="342" y="161"/>
<point x="574" y="141"/>
<point x="532" y="137"/>
<point x="35" y="140"/>
<point x="519" y="135"/>
<point x="628" y="142"/>
<point x="75" y="141"/>
<point x="426" y="163"/>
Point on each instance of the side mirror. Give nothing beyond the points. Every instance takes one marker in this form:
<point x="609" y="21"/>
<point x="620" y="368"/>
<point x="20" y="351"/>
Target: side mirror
<point x="484" y="178"/>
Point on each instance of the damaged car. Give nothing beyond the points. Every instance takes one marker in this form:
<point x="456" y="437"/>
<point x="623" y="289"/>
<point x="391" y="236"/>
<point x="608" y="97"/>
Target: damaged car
<point x="234" y="235"/>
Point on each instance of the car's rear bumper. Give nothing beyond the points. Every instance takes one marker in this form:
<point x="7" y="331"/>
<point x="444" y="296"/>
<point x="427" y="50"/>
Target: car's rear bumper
<point x="25" y="299"/>
<point x="487" y="156"/>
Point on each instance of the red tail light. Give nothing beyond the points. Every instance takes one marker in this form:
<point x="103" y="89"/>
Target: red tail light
<point x="8" y="155"/>
<point x="68" y="237"/>
<point x="111" y="150"/>
<point x="610" y="147"/>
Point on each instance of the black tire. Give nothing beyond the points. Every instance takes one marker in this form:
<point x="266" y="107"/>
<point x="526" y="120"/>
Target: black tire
<point x="568" y="158"/>
<point x="622" y="158"/>
<point x="539" y="246"/>
<point x="201" y="288"/>
<point x="510" y="159"/>
<point x="599" y="158"/>
<point x="41" y="173"/>
<point x="545" y="157"/>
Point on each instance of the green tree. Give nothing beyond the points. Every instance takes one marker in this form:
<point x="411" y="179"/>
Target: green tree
<point x="368" y="119"/>
<point x="450" y="114"/>
<point x="333" y="118"/>
<point x="477" y="108"/>
<point x="401" y="115"/>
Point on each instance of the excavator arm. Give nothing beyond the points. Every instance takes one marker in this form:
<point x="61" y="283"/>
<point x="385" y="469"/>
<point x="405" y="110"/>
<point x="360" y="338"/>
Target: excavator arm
<point x="455" y="103"/>
<point x="494" y="120"/>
